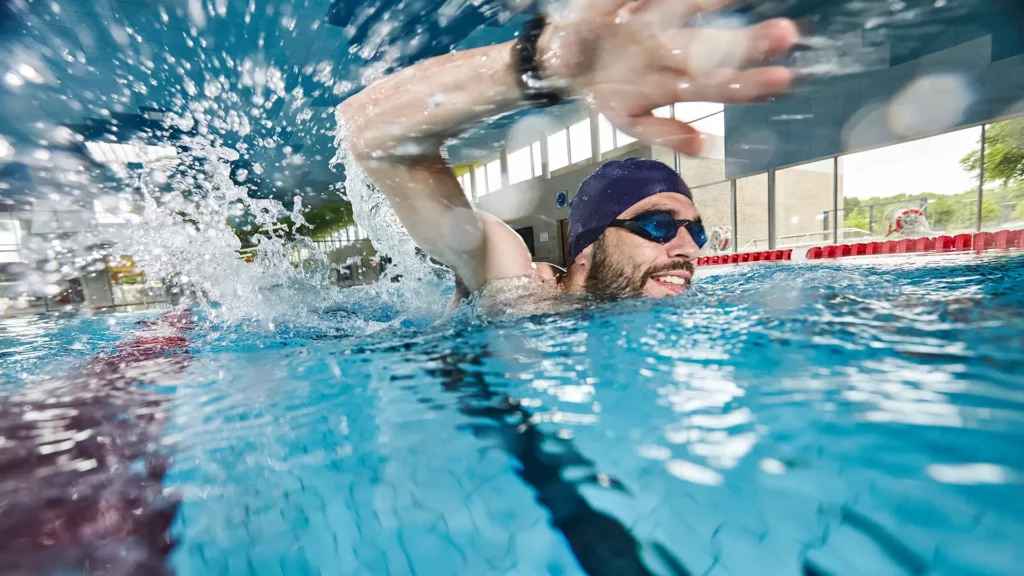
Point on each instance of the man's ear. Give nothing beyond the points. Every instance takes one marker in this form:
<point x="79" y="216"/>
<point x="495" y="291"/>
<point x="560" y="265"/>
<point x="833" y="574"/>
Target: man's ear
<point x="584" y="258"/>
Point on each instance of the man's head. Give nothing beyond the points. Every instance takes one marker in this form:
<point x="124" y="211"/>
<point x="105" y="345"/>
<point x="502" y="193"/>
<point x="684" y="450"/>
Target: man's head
<point x="627" y="230"/>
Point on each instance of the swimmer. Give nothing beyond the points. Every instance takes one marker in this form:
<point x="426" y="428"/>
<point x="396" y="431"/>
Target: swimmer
<point x="633" y="227"/>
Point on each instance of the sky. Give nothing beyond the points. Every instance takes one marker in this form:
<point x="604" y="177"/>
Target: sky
<point x="928" y="165"/>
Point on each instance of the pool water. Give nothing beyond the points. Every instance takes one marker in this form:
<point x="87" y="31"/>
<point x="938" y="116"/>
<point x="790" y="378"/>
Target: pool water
<point x="853" y="418"/>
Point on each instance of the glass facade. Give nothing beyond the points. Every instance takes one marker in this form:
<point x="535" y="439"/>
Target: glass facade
<point x="929" y="186"/>
<point x="804" y="198"/>
<point x="1002" y="203"/>
<point x="714" y="202"/>
<point x="493" y="176"/>
<point x="752" y="213"/>
<point x="709" y="167"/>
<point x="520" y="166"/>
<point x="607" y="134"/>
<point x="480" y="180"/>
<point x="558" y="150"/>
<point x="579" y="142"/>
<point x="887" y="188"/>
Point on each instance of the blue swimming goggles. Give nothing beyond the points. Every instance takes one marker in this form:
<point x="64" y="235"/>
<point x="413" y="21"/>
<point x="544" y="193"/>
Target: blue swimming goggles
<point x="662" y="227"/>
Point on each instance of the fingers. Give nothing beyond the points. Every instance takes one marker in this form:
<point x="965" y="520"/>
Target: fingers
<point x="667" y="132"/>
<point x="702" y="51"/>
<point x="623" y="100"/>
<point x="670" y="13"/>
<point x="584" y="8"/>
<point x="667" y="13"/>
<point x="737" y="86"/>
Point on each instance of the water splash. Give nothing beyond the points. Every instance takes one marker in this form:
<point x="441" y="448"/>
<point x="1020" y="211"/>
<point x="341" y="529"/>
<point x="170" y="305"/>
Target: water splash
<point x="422" y="281"/>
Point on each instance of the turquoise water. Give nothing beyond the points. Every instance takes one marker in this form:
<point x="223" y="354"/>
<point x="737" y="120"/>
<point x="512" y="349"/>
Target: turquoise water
<point x="854" y="418"/>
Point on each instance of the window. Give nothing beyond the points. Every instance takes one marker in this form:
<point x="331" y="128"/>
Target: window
<point x="606" y="133"/>
<point x="480" y="172"/>
<point x="690" y="111"/>
<point x="494" y="176"/>
<point x="709" y="167"/>
<point x="579" y="142"/>
<point x="752" y="213"/>
<point x="520" y="166"/>
<point x="558" y="150"/>
<point x="803" y="205"/>
<point x="538" y="163"/>
<point x="713" y="125"/>
<point x="622" y="139"/>
<point x="466" y="181"/>
<point x="1002" y="206"/>
<point x="882" y="187"/>
<point x="714" y="203"/>
<point x="663" y="112"/>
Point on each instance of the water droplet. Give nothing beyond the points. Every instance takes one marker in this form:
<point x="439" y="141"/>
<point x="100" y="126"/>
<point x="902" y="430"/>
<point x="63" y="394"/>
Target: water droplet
<point x="196" y="13"/>
<point x="13" y="80"/>
<point x="772" y="466"/>
<point x="29" y="73"/>
<point x="929" y="104"/>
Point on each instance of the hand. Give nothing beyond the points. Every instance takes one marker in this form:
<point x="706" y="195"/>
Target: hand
<point x="633" y="56"/>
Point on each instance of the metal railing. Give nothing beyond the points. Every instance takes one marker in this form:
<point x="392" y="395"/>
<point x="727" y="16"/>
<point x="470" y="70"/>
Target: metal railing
<point x="807" y="239"/>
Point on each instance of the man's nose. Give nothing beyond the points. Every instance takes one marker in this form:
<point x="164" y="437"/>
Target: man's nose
<point x="683" y="246"/>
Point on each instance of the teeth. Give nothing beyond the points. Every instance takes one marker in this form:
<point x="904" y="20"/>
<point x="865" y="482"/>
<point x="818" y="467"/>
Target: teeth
<point x="672" y="280"/>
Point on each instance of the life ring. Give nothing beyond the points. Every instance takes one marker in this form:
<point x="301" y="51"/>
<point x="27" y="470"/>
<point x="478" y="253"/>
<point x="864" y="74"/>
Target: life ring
<point x="719" y="239"/>
<point x="909" y="221"/>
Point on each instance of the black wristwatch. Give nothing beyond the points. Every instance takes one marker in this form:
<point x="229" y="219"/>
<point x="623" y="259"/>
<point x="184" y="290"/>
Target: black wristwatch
<point x="537" y="90"/>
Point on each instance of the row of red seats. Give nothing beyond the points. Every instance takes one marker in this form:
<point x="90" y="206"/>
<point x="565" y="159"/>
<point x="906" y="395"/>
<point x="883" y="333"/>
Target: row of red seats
<point x="1001" y="240"/>
<point x="767" y="256"/>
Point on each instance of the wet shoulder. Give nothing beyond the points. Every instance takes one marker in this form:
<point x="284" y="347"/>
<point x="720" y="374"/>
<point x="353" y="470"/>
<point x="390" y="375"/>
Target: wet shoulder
<point x="536" y="293"/>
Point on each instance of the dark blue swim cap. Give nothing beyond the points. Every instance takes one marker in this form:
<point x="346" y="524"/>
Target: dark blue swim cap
<point x="610" y="191"/>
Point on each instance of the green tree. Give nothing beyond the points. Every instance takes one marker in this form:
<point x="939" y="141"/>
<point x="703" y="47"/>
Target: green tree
<point x="855" y="220"/>
<point x="1004" y="153"/>
<point x="328" y="218"/>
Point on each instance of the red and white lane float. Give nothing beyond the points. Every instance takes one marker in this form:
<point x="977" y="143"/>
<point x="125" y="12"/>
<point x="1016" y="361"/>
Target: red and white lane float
<point x="1002" y="240"/>
<point x="81" y="462"/>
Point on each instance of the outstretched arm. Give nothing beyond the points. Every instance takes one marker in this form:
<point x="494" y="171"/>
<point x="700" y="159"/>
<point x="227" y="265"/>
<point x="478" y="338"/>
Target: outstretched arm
<point x="627" y="57"/>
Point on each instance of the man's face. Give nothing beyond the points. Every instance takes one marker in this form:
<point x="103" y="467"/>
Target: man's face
<point x="626" y="265"/>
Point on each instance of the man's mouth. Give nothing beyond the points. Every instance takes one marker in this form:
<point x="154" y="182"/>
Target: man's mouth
<point x="675" y="282"/>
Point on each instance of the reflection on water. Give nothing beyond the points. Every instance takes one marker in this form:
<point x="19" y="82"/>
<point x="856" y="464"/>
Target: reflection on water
<point x="867" y="427"/>
<point x="790" y="420"/>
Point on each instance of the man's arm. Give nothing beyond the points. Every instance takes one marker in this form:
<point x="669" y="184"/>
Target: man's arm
<point x="396" y="128"/>
<point x="627" y="57"/>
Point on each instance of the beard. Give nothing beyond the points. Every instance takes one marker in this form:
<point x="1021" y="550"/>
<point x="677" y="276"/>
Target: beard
<point x="615" y="278"/>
